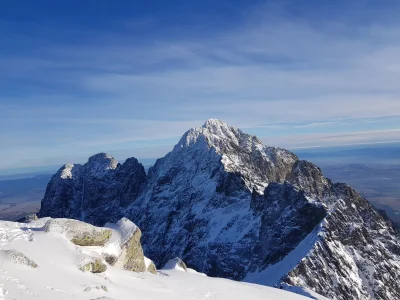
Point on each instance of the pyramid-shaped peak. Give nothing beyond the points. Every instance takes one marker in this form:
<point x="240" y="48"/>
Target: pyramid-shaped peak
<point x="220" y="128"/>
<point x="216" y="125"/>
<point x="214" y="122"/>
<point x="220" y="136"/>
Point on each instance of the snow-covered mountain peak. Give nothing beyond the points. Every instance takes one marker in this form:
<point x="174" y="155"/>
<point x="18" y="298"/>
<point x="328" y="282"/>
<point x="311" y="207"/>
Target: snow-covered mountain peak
<point x="232" y="207"/>
<point x="99" y="164"/>
<point x="220" y="128"/>
<point x="104" y="159"/>
<point x="214" y="122"/>
<point x="220" y="136"/>
<point x="238" y="152"/>
<point x="212" y="133"/>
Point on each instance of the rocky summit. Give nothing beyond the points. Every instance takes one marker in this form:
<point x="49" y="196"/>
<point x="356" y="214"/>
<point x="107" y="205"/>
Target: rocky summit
<point x="94" y="192"/>
<point x="232" y="207"/>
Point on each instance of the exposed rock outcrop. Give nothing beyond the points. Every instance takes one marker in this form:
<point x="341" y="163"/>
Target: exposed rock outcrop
<point x="131" y="255"/>
<point x="150" y="266"/>
<point x="79" y="233"/>
<point x="119" y="244"/>
<point x="91" y="264"/>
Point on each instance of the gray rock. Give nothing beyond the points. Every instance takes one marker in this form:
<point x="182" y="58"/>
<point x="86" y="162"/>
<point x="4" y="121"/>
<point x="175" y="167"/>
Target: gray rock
<point x="94" y="266"/>
<point x="151" y="268"/>
<point x="131" y="257"/>
<point x="110" y="258"/>
<point x="79" y="233"/>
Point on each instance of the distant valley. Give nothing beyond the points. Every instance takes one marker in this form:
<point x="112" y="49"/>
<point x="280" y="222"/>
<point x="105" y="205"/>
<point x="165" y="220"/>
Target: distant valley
<point x="19" y="197"/>
<point x="378" y="183"/>
<point x="373" y="170"/>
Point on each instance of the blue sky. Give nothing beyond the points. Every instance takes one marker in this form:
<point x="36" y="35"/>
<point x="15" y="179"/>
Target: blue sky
<point x="129" y="77"/>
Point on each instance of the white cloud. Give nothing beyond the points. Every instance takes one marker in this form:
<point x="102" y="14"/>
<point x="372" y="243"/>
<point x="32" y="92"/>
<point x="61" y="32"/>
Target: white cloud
<point x="268" y="69"/>
<point x="326" y="140"/>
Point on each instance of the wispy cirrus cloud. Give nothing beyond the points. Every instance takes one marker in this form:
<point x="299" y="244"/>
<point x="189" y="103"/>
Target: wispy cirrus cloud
<point x="329" y="140"/>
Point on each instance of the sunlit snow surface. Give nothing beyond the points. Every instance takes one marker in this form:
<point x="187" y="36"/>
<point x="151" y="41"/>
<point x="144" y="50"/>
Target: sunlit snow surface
<point x="58" y="276"/>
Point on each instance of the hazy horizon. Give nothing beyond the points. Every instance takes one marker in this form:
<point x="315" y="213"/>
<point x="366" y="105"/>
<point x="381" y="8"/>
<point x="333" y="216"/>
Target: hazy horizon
<point x="379" y="153"/>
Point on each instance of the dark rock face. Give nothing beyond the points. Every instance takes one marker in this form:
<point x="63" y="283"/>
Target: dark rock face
<point x="355" y="240"/>
<point x="308" y="177"/>
<point x="231" y="207"/>
<point x="94" y="192"/>
<point x="277" y="241"/>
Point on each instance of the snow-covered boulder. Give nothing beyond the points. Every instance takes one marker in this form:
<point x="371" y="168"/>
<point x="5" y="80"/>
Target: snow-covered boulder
<point x="175" y="264"/>
<point x="124" y="249"/>
<point x="79" y="233"/>
<point x="16" y="257"/>
<point x="116" y="244"/>
<point x="91" y="264"/>
<point x="28" y="218"/>
<point x="150" y="266"/>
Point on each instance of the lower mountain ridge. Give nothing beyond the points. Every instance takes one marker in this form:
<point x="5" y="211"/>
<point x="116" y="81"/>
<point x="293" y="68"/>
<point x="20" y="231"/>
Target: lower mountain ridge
<point x="232" y="207"/>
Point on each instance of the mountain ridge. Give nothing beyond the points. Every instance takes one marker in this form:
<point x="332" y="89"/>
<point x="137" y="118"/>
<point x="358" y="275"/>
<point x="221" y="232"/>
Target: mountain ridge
<point x="233" y="207"/>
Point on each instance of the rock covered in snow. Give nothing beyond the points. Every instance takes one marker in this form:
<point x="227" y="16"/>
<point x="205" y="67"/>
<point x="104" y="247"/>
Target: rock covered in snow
<point x="175" y="264"/>
<point x="128" y="253"/>
<point x="28" y="218"/>
<point x="92" y="265"/>
<point x="150" y="266"/>
<point x="16" y="257"/>
<point x="79" y="233"/>
<point x="117" y="244"/>
<point x="233" y="207"/>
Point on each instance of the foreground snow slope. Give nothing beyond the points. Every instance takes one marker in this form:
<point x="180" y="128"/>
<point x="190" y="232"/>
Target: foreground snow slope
<point x="57" y="275"/>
